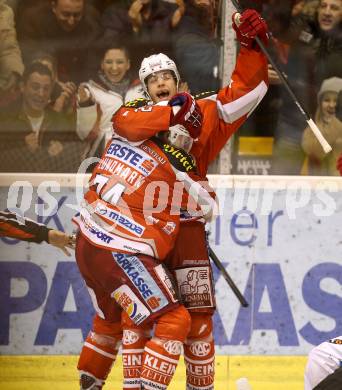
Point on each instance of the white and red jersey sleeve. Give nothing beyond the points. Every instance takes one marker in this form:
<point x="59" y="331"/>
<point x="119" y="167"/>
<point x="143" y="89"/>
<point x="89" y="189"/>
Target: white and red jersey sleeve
<point x="138" y="123"/>
<point x="224" y="112"/>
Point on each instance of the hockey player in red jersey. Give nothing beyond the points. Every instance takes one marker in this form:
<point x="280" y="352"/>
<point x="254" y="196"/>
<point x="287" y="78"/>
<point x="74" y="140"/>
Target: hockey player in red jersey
<point x="223" y="113"/>
<point x="127" y="227"/>
<point x="14" y="226"/>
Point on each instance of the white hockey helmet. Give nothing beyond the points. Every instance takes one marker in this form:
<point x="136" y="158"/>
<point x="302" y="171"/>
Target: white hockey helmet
<point x="156" y="63"/>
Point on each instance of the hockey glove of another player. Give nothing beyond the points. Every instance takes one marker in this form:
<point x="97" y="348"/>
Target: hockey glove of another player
<point x="187" y="113"/>
<point x="249" y="25"/>
<point x="339" y="164"/>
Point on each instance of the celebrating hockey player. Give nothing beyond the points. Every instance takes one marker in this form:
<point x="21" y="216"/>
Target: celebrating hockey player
<point x="223" y="113"/>
<point x="127" y="227"/>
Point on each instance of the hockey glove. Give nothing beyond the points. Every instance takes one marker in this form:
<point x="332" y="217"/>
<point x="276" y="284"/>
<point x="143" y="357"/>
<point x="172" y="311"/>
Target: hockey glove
<point x="248" y="26"/>
<point x="339" y="164"/>
<point x="188" y="114"/>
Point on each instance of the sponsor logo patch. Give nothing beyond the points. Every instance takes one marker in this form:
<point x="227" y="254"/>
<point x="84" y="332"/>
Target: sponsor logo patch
<point x="200" y="348"/>
<point x="195" y="287"/>
<point x="95" y="231"/>
<point x="173" y="347"/>
<point x="166" y="281"/>
<point x="131" y="304"/>
<point x="129" y="337"/>
<point x="141" y="162"/>
<point x="142" y="280"/>
<point x="169" y="228"/>
<point x="122" y="220"/>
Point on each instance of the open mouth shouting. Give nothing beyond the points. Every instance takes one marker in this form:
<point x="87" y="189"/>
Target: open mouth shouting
<point x="163" y="95"/>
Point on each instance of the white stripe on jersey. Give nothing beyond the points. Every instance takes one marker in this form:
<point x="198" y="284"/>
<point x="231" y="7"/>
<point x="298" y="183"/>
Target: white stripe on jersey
<point x="230" y="112"/>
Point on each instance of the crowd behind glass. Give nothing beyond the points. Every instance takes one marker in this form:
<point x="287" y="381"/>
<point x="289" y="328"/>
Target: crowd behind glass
<point x="67" y="65"/>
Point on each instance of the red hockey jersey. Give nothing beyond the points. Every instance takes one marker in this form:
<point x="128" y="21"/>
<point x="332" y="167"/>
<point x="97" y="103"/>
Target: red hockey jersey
<point x="135" y="195"/>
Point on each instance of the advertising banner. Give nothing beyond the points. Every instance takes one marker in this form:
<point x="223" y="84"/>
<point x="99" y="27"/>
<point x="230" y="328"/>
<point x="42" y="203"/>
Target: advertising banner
<point x="280" y="239"/>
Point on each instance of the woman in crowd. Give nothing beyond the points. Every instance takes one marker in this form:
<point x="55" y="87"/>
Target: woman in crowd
<point x="101" y="96"/>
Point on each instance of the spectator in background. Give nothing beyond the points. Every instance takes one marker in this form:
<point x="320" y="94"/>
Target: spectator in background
<point x="196" y="47"/>
<point x="145" y="26"/>
<point x="63" y="94"/>
<point x="320" y="163"/>
<point x="105" y="93"/>
<point x="310" y="8"/>
<point x="11" y="64"/>
<point x="315" y="55"/>
<point x="264" y="119"/>
<point x="34" y="138"/>
<point x="67" y="29"/>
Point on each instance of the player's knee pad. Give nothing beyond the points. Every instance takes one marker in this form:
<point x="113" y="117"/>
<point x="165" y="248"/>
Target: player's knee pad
<point x="174" y="325"/>
<point x="201" y="325"/>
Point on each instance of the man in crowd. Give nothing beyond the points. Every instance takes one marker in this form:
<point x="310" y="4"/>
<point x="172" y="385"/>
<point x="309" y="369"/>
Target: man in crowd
<point x="34" y="138"/>
<point x="67" y="29"/>
<point x="223" y="113"/>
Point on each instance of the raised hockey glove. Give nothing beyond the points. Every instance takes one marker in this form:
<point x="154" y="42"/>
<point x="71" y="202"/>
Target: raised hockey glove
<point x="339" y="164"/>
<point x="249" y="25"/>
<point x="188" y="114"/>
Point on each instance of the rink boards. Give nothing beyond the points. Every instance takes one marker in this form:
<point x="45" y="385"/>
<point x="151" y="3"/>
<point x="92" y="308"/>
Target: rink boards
<point x="278" y="237"/>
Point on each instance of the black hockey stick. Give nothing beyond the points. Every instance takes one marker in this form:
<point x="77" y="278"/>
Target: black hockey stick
<point x="227" y="277"/>
<point x="326" y="147"/>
